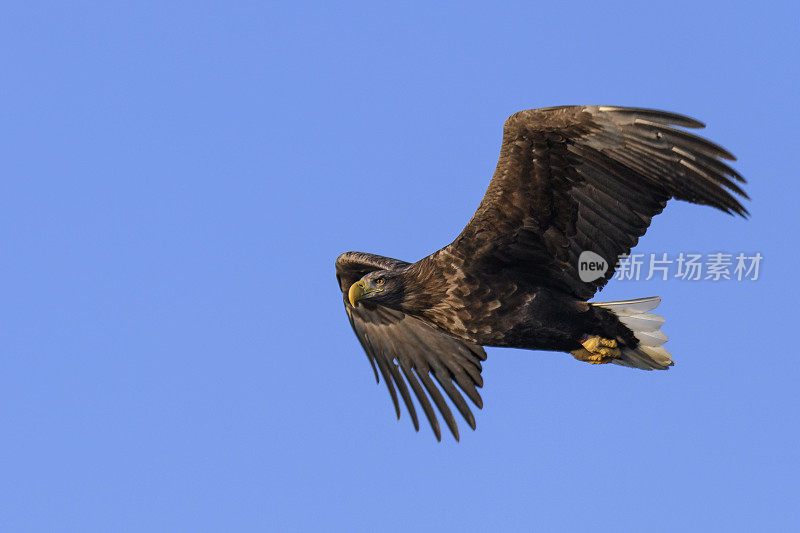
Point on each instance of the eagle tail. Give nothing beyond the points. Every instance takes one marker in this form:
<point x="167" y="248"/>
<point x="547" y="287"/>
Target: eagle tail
<point x="646" y="326"/>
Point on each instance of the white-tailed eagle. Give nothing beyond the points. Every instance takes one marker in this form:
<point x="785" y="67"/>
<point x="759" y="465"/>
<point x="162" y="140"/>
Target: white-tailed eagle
<point x="569" y="180"/>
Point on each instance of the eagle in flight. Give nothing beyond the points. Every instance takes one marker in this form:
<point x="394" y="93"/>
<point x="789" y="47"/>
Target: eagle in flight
<point x="569" y="180"/>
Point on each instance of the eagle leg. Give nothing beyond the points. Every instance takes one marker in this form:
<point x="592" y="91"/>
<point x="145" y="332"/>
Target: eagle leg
<point x="597" y="350"/>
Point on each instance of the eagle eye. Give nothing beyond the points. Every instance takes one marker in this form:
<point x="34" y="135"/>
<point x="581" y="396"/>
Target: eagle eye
<point x="379" y="281"/>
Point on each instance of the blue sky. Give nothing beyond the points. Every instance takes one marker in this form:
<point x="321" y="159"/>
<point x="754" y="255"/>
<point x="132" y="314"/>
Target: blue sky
<point x="180" y="178"/>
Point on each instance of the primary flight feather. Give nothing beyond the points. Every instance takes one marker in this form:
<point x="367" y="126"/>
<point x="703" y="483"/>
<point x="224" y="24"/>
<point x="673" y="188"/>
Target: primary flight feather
<point x="569" y="180"/>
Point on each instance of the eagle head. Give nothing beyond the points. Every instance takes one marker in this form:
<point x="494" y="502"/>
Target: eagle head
<point x="384" y="287"/>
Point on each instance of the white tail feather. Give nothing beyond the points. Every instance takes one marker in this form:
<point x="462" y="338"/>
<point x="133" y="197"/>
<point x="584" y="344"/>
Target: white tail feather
<point x="651" y="338"/>
<point x="631" y="307"/>
<point x="646" y="326"/>
<point x="643" y="322"/>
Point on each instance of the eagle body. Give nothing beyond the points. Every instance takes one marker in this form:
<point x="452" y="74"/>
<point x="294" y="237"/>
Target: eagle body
<point x="569" y="180"/>
<point x="504" y="311"/>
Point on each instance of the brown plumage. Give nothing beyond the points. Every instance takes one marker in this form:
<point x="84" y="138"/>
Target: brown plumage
<point x="568" y="180"/>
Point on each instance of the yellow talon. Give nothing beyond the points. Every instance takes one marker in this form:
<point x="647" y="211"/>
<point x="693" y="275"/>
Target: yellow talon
<point x="591" y="344"/>
<point x="597" y="350"/>
<point x="609" y="352"/>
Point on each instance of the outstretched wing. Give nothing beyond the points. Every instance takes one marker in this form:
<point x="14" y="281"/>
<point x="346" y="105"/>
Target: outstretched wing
<point x="406" y="350"/>
<point x="588" y="178"/>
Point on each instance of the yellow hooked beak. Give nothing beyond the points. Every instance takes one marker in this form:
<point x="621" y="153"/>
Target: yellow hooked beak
<point x="356" y="292"/>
